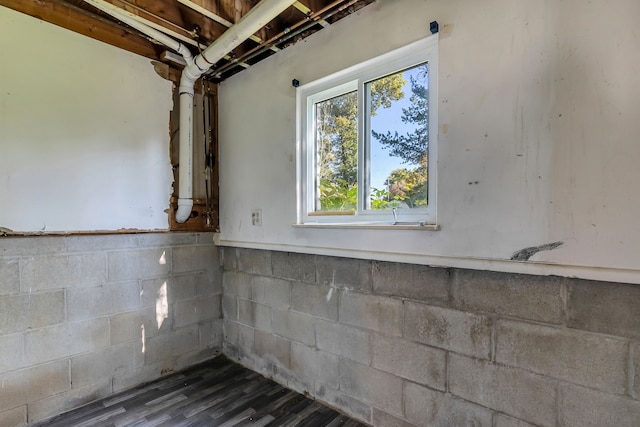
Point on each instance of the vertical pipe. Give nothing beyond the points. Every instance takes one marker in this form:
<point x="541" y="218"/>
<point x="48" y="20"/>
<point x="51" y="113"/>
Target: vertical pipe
<point x="185" y="178"/>
<point x="255" y="19"/>
<point x="259" y="16"/>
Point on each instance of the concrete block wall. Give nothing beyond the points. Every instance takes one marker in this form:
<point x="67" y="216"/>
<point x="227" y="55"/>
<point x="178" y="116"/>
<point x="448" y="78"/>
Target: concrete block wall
<point x="82" y="317"/>
<point x="404" y="345"/>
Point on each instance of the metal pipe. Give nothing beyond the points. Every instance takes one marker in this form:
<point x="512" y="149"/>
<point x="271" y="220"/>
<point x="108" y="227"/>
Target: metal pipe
<point x="316" y="18"/>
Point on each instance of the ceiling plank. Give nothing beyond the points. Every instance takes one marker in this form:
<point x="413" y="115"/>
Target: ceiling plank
<point x="206" y="12"/>
<point x="80" y="21"/>
<point x="156" y="22"/>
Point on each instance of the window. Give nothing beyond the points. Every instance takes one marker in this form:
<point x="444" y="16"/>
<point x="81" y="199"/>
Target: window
<point x="368" y="144"/>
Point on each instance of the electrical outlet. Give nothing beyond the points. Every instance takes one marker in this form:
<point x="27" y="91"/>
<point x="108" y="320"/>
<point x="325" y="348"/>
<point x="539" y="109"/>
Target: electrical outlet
<point x="256" y="217"/>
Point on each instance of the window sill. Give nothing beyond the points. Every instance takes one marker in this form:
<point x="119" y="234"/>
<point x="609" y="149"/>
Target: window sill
<point x="372" y="226"/>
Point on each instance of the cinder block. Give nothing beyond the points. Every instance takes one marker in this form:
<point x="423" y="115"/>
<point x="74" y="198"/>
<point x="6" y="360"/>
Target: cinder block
<point x="246" y="339"/>
<point x="347" y="404"/>
<point x="231" y="351"/>
<point x="229" y="258"/>
<point x="343" y="341"/>
<point x="237" y="284"/>
<point x="610" y="308"/>
<point x="255" y="315"/>
<point x="229" y="307"/>
<point x="90" y="368"/>
<point x="370" y="385"/>
<point x="161" y="239"/>
<point x="515" y="392"/>
<point x="88" y="303"/>
<point x="30" y="246"/>
<point x="506" y="294"/>
<point x="345" y="273"/>
<point x="41" y="345"/>
<point x="263" y="320"/>
<point x="138" y="264"/>
<point x="415" y="362"/>
<point x="294" y="326"/>
<point x="34" y="383"/>
<point x="210" y="333"/>
<point x="588" y="359"/>
<point x="290" y="380"/>
<point x="196" y="310"/>
<point x="381" y="418"/>
<point x="143" y="374"/>
<point x="11" y="352"/>
<point x="191" y="358"/>
<point x="156" y="321"/>
<point x="205" y="238"/>
<point x="138" y="325"/>
<point x="427" y="407"/>
<point x="61" y="271"/>
<point x="299" y="267"/>
<point x="380" y="314"/>
<point x="163" y="347"/>
<point x="246" y="312"/>
<point x="506" y="421"/>
<point x="125" y="327"/>
<point x="254" y="261"/>
<point x="195" y="258"/>
<point x="68" y="400"/>
<point x="171" y="289"/>
<point x="588" y="408"/>
<point x="105" y="242"/>
<point x="230" y="331"/>
<point x="16" y="417"/>
<point x="427" y="284"/>
<point x="275" y="293"/>
<point x="314" y="364"/>
<point x="209" y="282"/>
<point x="9" y="276"/>
<point x="113" y="242"/>
<point x="449" y="329"/>
<point x="30" y="311"/>
<point x="272" y="348"/>
<point x="316" y="300"/>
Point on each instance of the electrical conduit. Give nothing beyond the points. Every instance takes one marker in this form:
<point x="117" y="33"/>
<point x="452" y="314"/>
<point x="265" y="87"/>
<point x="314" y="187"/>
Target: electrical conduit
<point x="259" y="16"/>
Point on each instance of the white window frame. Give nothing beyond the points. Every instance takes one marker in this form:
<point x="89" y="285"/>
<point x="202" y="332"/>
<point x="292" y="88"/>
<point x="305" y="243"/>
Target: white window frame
<point x="355" y="78"/>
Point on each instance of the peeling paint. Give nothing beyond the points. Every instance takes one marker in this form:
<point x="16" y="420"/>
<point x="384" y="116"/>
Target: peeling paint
<point x="526" y="253"/>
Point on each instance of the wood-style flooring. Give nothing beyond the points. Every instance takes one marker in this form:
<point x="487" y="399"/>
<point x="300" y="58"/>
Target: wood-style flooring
<point x="216" y="393"/>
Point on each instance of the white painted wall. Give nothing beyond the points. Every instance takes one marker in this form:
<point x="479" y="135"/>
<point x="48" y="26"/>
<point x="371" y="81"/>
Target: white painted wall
<point x="539" y="103"/>
<point x="84" y="140"/>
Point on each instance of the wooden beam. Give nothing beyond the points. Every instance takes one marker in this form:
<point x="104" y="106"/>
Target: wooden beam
<point x="86" y="23"/>
<point x="174" y="31"/>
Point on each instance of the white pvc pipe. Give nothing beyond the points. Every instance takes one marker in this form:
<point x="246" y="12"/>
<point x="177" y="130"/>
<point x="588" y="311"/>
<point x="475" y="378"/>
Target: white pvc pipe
<point x="131" y="21"/>
<point x="261" y="14"/>
<point x="185" y="171"/>
<point x="255" y="19"/>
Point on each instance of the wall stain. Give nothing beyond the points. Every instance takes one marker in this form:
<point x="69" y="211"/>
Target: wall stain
<point x="526" y="253"/>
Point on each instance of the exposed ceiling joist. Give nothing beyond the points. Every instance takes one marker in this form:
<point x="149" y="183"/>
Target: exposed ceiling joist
<point x="196" y="23"/>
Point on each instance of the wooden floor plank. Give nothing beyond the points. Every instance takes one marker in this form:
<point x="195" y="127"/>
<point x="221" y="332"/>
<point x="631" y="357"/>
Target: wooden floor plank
<point x="217" y="393"/>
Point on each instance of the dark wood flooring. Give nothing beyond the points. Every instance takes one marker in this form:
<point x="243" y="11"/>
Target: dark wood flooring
<point x="216" y="393"/>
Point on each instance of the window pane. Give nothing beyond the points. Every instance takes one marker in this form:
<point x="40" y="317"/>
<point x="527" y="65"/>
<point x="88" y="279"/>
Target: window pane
<point x="398" y="144"/>
<point x="336" y="147"/>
